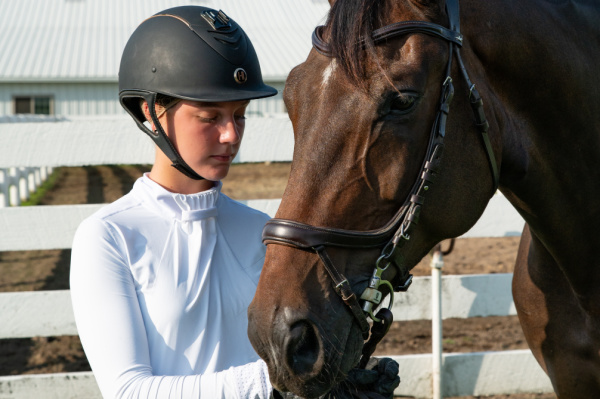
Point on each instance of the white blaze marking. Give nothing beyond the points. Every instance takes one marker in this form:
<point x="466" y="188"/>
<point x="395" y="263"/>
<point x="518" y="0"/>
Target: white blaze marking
<point x="327" y="72"/>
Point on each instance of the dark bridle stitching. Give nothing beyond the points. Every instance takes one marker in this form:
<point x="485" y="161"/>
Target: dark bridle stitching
<point x="306" y="237"/>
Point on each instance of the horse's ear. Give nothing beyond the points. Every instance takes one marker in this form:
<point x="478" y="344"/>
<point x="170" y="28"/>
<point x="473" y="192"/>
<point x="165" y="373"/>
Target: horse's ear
<point x="331" y="3"/>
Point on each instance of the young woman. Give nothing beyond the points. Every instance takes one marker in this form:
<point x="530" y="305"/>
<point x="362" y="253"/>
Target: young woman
<point x="161" y="279"/>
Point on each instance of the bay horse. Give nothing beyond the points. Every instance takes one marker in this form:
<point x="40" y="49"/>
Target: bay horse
<point x="408" y="115"/>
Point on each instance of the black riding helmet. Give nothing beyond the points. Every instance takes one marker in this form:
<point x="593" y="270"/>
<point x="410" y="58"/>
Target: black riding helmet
<point x="192" y="53"/>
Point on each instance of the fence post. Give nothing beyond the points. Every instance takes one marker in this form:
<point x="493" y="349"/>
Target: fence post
<point x="37" y="177"/>
<point x="4" y="188"/>
<point x="23" y="183"/>
<point x="31" y="181"/>
<point x="13" y="186"/>
<point x="437" y="262"/>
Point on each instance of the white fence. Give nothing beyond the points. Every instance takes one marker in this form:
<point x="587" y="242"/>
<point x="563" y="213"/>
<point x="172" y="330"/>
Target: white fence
<point x="116" y="141"/>
<point x="17" y="184"/>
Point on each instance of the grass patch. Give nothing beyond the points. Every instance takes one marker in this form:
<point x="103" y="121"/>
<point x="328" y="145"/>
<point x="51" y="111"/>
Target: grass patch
<point x="36" y="197"/>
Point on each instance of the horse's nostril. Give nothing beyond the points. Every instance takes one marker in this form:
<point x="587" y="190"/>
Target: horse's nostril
<point x="302" y="349"/>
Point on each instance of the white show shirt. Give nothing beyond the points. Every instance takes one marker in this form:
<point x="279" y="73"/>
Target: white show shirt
<point x="160" y="284"/>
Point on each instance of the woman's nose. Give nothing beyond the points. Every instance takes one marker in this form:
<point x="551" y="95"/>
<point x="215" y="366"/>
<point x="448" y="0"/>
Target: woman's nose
<point x="231" y="132"/>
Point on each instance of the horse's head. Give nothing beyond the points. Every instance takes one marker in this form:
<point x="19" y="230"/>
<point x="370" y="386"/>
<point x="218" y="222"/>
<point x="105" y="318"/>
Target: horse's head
<point x="368" y="171"/>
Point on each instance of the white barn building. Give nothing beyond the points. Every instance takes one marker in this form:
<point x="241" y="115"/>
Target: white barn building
<point x="61" y="57"/>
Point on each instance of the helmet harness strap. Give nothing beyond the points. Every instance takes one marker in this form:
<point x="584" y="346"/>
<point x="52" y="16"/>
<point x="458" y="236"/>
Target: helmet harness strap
<point x="162" y="141"/>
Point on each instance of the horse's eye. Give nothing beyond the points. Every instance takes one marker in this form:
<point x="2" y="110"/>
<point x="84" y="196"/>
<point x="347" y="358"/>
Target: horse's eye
<point x="403" y="103"/>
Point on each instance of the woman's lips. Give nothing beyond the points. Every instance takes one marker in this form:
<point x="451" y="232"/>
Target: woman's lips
<point x="223" y="157"/>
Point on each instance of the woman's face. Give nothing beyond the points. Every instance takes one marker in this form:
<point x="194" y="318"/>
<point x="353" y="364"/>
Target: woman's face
<point x="206" y="135"/>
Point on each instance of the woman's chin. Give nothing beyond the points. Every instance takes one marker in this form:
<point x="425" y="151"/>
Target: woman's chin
<point x="213" y="173"/>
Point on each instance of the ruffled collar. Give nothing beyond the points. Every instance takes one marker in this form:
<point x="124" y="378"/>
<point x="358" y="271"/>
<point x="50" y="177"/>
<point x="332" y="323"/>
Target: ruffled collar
<point x="182" y="207"/>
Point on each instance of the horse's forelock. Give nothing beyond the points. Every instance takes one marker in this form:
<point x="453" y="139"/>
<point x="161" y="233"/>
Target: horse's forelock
<point x="350" y="22"/>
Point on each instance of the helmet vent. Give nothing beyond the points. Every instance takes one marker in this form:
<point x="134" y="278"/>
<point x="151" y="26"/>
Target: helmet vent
<point x="231" y="38"/>
<point x="218" y="21"/>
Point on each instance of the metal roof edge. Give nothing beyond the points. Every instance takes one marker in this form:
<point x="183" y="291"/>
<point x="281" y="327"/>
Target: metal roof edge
<point x="58" y="79"/>
<point x="100" y="79"/>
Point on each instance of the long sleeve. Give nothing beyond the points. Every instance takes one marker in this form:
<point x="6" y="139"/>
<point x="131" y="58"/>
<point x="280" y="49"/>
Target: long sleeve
<point x="113" y="330"/>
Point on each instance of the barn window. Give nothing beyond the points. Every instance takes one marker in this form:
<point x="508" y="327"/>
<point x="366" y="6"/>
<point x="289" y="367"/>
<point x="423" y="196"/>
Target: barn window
<point x="43" y="105"/>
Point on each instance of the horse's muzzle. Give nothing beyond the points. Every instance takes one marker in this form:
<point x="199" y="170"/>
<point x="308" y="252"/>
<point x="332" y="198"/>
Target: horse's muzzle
<point x="294" y="350"/>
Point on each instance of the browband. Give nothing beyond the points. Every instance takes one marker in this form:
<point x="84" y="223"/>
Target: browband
<point x="392" y="30"/>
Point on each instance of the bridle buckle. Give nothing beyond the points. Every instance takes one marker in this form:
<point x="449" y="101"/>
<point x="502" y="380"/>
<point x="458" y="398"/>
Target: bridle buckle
<point x="372" y="295"/>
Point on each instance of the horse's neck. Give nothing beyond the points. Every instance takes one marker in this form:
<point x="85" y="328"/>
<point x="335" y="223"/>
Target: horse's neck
<point x="537" y="66"/>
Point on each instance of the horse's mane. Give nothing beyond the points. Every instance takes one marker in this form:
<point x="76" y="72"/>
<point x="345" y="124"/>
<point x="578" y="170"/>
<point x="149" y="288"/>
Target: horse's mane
<point x="350" y="24"/>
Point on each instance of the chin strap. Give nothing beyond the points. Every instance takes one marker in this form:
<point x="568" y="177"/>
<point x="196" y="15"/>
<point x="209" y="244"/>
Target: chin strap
<point x="162" y="141"/>
<point x="159" y="136"/>
<point x="181" y="166"/>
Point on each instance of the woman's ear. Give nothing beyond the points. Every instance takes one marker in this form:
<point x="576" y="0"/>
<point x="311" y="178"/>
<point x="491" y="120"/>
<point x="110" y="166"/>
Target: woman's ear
<point x="146" y="111"/>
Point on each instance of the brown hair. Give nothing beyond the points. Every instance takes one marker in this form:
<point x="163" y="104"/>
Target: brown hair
<point x="162" y="104"/>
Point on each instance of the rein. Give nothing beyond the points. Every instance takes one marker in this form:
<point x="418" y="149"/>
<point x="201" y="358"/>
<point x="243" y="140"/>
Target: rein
<point x="394" y="235"/>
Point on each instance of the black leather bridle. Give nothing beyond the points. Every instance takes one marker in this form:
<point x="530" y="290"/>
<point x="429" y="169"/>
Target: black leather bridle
<point x="391" y="237"/>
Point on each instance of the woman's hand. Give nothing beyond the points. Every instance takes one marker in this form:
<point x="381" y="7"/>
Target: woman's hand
<point x="377" y="381"/>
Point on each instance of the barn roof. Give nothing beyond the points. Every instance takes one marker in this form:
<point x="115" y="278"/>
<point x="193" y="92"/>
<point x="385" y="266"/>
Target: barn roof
<point x="82" y="40"/>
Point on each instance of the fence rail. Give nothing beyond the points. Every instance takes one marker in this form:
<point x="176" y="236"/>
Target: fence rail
<point x="110" y="141"/>
<point x="48" y="313"/>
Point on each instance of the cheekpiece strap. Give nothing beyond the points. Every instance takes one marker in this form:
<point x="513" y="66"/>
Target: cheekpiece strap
<point x="344" y="290"/>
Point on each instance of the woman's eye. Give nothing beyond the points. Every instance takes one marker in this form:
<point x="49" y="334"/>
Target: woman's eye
<point x="240" y="117"/>
<point x="207" y="118"/>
